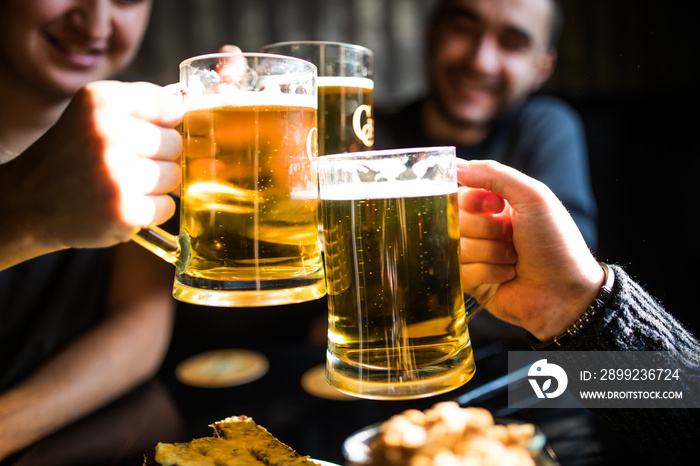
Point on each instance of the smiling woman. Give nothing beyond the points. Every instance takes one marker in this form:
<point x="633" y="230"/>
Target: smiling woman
<point x="82" y="324"/>
<point x="66" y="44"/>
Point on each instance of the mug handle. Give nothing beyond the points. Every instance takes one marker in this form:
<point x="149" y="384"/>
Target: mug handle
<point x="476" y="300"/>
<point x="159" y="242"/>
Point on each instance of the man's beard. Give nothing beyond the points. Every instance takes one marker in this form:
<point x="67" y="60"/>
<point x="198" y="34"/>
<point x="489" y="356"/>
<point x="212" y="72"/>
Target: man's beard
<point x="455" y="120"/>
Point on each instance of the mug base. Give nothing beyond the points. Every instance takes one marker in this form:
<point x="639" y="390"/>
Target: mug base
<point x="381" y="384"/>
<point x="255" y="297"/>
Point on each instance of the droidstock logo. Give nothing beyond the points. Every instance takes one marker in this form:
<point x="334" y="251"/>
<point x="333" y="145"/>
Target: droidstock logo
<point x="540" y="376"/>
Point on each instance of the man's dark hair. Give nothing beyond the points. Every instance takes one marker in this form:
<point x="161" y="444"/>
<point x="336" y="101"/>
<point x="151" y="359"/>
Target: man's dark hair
<point x="556" y="25"/>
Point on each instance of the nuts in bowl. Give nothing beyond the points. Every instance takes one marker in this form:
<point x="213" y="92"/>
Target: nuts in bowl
<point x="445" y="435"/>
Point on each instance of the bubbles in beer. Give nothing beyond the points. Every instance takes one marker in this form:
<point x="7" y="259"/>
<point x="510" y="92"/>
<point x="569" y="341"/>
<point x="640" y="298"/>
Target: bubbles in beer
<point x="248" y="209"/>
<point x="341" y="128"/>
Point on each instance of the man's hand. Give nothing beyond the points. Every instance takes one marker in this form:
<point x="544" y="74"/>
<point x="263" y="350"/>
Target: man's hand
<point x="517" y="233"/>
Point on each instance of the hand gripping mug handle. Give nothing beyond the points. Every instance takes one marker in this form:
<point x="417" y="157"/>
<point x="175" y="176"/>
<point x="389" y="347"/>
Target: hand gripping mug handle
<point x="155" y="239"/>
<point x="475" y="300"/>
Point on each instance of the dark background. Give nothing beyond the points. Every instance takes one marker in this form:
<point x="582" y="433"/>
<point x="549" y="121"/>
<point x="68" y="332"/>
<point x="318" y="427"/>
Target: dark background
<point x="628" y="66"/>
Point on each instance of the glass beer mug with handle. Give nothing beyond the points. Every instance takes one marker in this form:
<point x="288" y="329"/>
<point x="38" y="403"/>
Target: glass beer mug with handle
<point x="249" y="194"/>
<point x="397" y="316"/>
<point x="345" y="92"/>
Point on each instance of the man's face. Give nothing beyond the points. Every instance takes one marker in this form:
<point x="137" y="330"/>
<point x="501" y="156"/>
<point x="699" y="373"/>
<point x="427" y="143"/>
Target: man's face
<point x="61" y="45"/>
<point x="486" y="55"/>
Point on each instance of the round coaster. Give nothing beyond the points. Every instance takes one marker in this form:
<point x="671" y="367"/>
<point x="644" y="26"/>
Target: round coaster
<point x="222" y="368"/>
<point x="314" y="382"/>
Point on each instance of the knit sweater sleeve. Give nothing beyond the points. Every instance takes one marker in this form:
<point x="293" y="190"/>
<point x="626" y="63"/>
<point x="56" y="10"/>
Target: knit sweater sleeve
<point x="634" y="321"/>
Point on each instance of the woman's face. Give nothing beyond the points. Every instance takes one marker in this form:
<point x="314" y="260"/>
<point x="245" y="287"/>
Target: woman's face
<point x="58" y="46"/>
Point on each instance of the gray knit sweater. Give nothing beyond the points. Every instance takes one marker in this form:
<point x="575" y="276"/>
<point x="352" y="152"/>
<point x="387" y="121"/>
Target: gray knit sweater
<point x="634" y="321"/>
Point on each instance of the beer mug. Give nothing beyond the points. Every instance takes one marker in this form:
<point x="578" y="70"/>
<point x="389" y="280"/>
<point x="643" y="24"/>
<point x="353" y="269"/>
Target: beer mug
<point x="345" y="92"/>
<point x="249" y="193"/>
<point x="397" y="319"/>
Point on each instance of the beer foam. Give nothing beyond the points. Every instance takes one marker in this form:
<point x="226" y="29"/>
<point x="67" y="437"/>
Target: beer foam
<point x="345" y="81"/>
<point x="303" y="194"/>
<point x="267" y="97"/>
<point x="387" y="190"/>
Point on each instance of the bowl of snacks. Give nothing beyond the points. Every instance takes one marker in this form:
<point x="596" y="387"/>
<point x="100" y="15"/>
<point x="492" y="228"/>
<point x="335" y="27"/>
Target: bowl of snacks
<point x="446" y="434"/>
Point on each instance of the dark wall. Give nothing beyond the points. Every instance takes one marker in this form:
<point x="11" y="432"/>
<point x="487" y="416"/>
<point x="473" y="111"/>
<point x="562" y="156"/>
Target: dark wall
<point x="630" y="69"/>
<point x="643" y="161"/>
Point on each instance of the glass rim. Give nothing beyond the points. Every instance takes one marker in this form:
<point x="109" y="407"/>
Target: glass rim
<point x="357" y="47"/>
<point x="211" y="56"/>
<point x="386" y="153"/>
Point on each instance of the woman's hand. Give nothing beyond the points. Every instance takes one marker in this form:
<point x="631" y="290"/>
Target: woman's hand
<point x="104" y="170"/>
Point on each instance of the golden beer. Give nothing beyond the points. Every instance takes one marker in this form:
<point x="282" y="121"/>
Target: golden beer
<point x="248" y="231"/>
<point x="249" y="211"/>
<point x="346" y="122"/>
<point x="396" y="305"/>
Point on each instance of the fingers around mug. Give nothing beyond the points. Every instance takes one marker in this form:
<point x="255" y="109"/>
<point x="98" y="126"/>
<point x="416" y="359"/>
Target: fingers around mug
<point x="476" y="274"/>
<point x="159" y="105"/>
<point x="170" y="144"/>
<point x="164" y="208"/>
<point x="169" y="178"/>
<point x="147" y="176"/>
<point x="152" y="141"/>
<point x="480" y="201"/>
<point x="230" y="48"/>
<point x="518" y="189"/>
<point x="488" y="251"/>
<point x="137" y="210"/>
<point x="143" y="211"/>
<point x="485" y="226"/>
<point x="234" y="71"/>
<point x="171" y="99"/>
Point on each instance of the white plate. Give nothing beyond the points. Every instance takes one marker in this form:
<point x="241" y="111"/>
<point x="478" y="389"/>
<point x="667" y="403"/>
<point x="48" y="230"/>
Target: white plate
<point x="323" y="463"/>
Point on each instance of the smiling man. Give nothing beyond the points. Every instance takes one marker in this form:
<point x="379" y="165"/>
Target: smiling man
<point x="487" y="60"/>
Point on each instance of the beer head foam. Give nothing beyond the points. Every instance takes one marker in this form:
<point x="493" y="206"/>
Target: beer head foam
<point x="386" y="190"/>
<point x="269" y="96"/>
<point x="345" y="81"/>
<point x="384" y="178"/>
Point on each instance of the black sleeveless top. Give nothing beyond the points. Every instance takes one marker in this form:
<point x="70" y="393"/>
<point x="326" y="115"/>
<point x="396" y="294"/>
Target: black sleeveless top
<point x="45" y="303"/>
